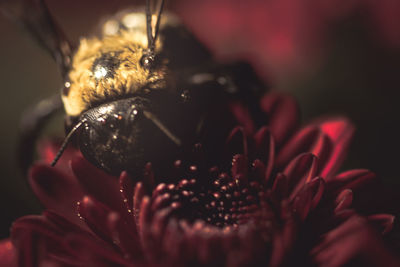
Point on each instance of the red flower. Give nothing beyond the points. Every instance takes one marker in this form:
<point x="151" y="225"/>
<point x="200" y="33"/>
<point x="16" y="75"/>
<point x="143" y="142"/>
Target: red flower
<point x="273" y="199"/>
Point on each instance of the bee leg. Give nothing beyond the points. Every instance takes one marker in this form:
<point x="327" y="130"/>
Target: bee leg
<point x="32" y="122"/>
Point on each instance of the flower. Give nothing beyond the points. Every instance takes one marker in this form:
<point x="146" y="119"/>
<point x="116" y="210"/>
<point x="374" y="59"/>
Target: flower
<point x="271" y="197"/>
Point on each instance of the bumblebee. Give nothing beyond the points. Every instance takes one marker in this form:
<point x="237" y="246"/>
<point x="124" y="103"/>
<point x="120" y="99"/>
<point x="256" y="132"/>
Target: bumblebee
<point x="140" y="91"/>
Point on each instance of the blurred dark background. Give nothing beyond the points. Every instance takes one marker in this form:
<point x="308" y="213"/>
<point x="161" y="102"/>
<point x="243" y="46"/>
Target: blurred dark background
<point x="335" y="59"/>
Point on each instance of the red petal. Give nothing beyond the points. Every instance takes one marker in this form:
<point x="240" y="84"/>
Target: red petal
<point x="280" y="187"/>
<point x="7" y="254"/>
<point x="160" y="202"/>
<point x="302" y="205"/>
<point x="301" y="142"/>
<point x="50" y="237"/>
<point x="37" y="238"/>
<point x="301" y="170"/>
<point x="137" y="201"/>
<point x="353" y="241"/>
<point x="308" y="197"/>
<point x="125" y="237"/>
<point x="144" y="212"/>
<point x="56" y="190"/>
<point x="92" y="252"/>
<point x="49" y="225"/>
<point x="343" y="215"/>
<point x="35" y="223"/>
<point x="340" y="131"/>
<point x="278" y="251"/>
<point x="126" y="188"/>
<point x="322" y="148"/>
<point x="353" y="179"/>
<point x="236" y="142"/>
<point x="144" y="219"/>
<point x="282" y="243"/>
<point x="242" y="115"/>
<point x="148" y="175"/>
<point x="109" y="226"/>
<point x="27" y="253"/>
<point x="282" y="111"/>
<point x="344" y="200"/>
<point x="328" y="138"/>
<point x="95" y="215"/>
<point x="103" y="187"/>
<point x="265" y="147"/>
<point x="159" y="222"/>
<point x="64" y="224"/>
<point x="317" y="185"/>
<point x="384" y="221"/>
<point x="174" y="243"/>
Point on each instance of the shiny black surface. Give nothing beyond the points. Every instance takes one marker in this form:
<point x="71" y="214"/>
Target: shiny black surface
<point x="117" y="136"/>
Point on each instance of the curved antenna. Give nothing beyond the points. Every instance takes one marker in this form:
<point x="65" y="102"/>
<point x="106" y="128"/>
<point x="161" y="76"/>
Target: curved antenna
<point x="150" y="37"/>
<point x="66" y="141"/>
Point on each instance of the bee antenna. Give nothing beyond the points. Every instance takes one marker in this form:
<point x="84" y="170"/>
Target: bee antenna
<point x="66" y="141"/>
<point x="162" y="127"/>
<point x="150" y="37"/>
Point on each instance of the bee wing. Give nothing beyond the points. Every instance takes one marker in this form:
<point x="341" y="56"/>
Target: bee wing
<point x="35" y="16"/>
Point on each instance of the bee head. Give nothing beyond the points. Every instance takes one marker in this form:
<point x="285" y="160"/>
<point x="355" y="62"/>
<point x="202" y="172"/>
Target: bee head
<point x="127" y="133"/>
<point x="117" y="90"/>
<point x="114" y="65"/>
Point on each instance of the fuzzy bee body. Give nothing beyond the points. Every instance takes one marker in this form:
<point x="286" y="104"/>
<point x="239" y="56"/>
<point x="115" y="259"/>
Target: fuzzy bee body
<point x="140" y="91"/>
<point x="109" y="66"/>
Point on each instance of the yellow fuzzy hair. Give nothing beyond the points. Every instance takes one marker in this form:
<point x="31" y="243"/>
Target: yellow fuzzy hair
<point x="84" y="89"/>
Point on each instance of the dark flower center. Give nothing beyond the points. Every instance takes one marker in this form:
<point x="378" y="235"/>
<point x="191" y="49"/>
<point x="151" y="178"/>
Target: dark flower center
<point x="215" y="197"/>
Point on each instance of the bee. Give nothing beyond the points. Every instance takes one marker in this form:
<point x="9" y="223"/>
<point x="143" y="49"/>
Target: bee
<point x="140" y="91"/>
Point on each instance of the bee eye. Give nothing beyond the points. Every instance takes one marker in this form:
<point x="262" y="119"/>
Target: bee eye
<point x="147" y="61"/>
